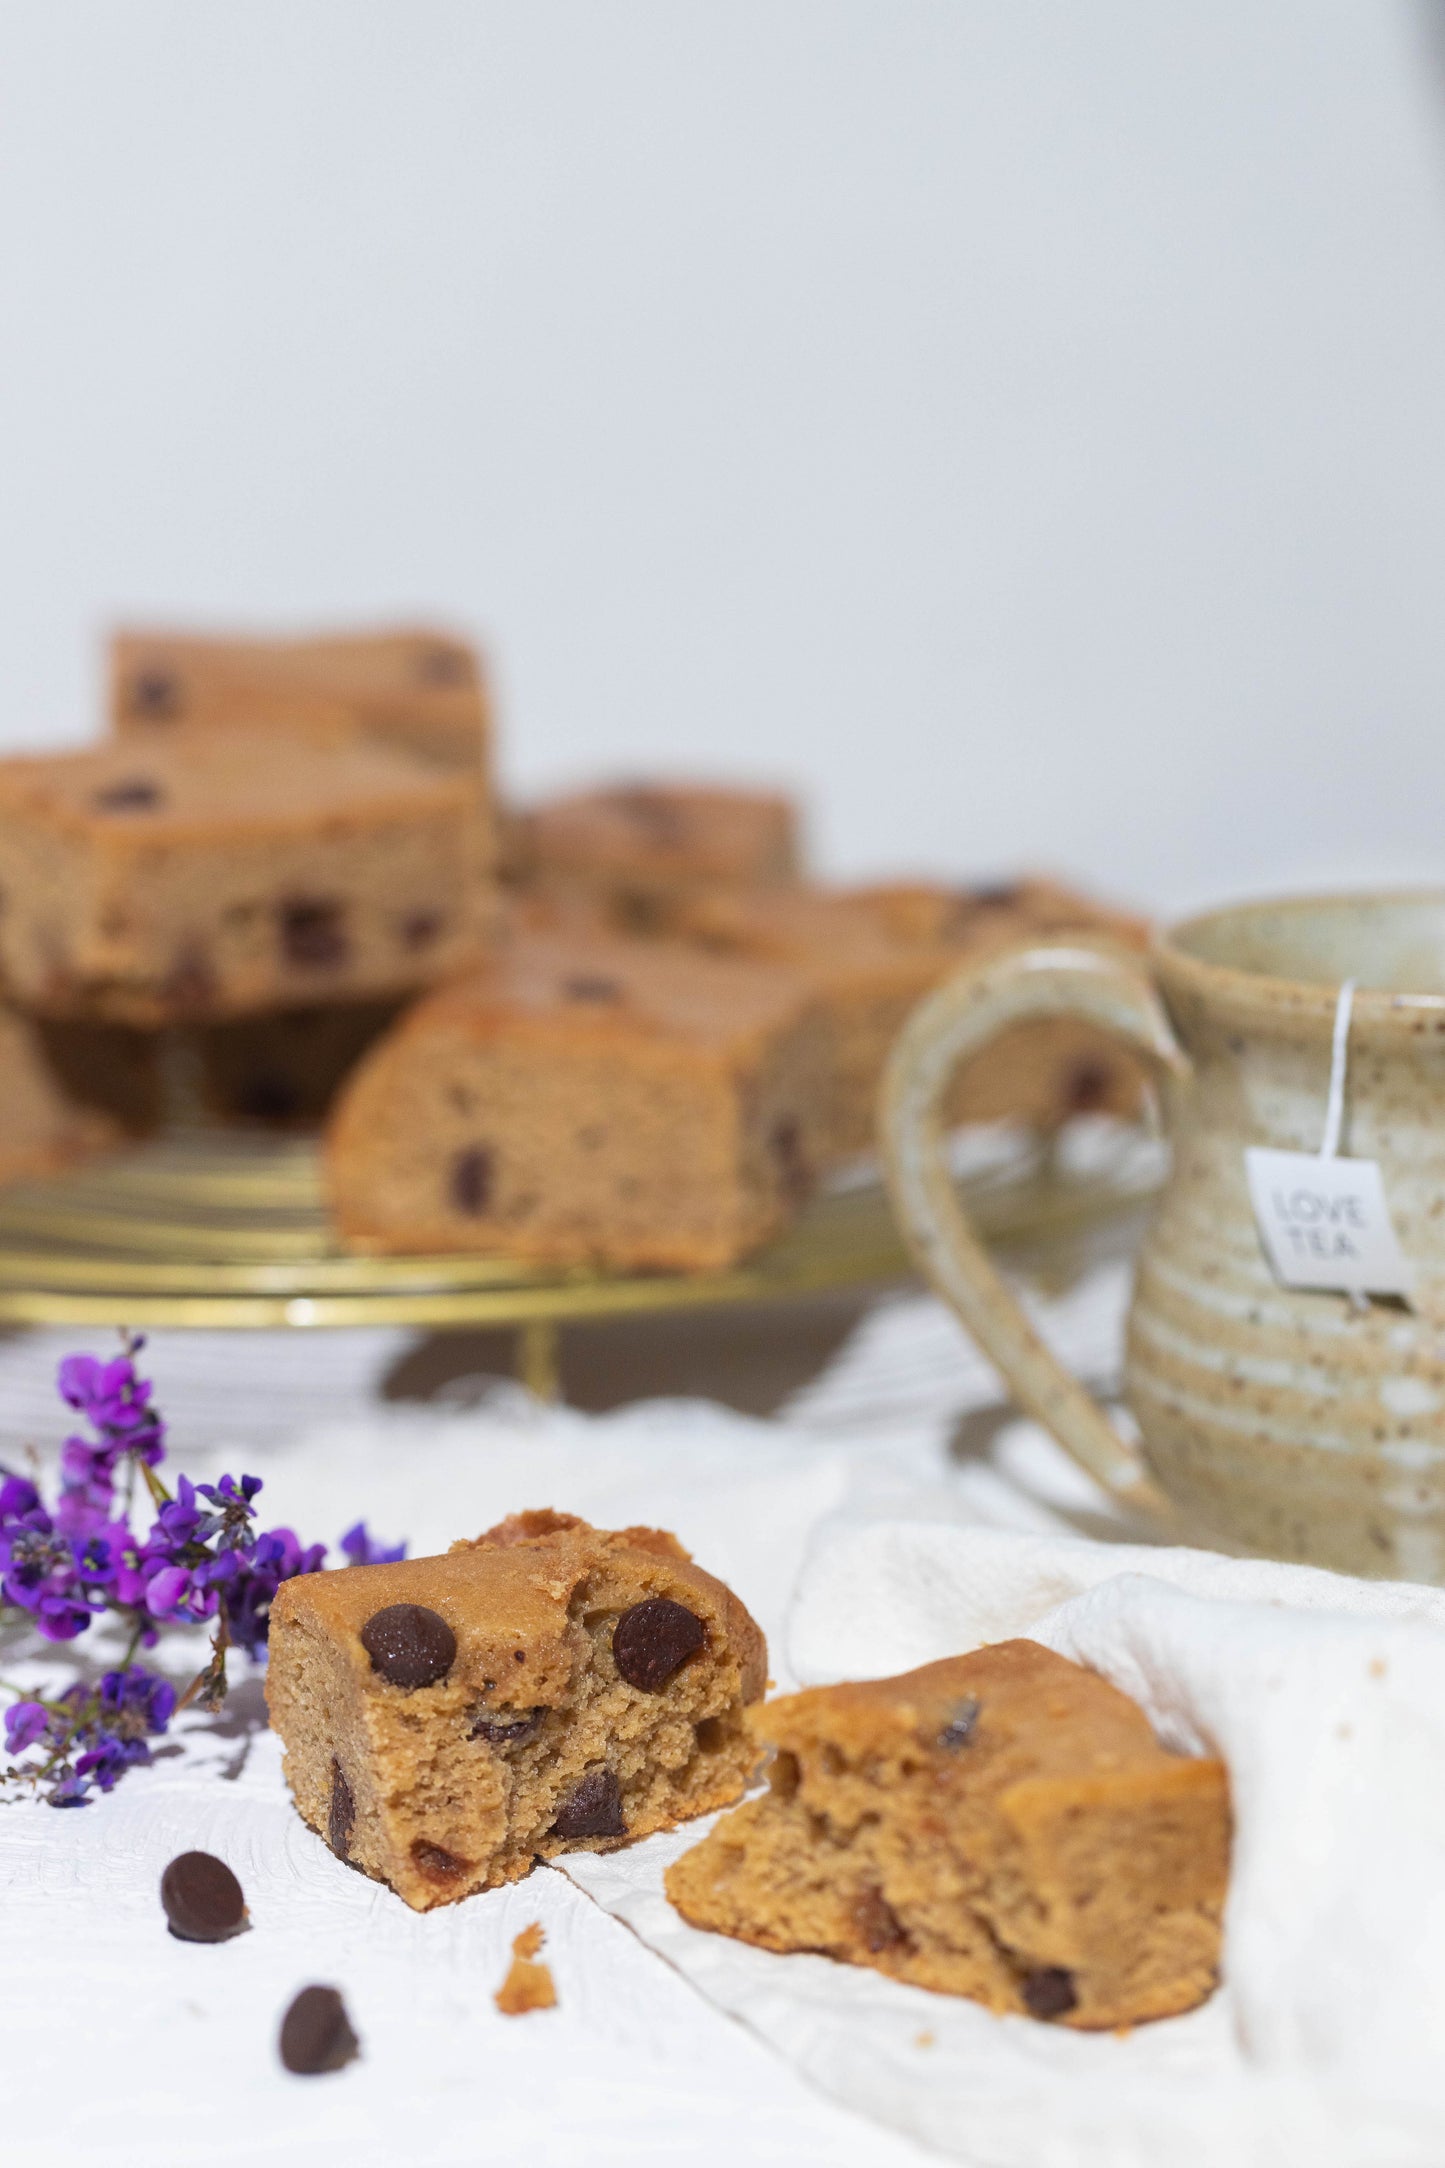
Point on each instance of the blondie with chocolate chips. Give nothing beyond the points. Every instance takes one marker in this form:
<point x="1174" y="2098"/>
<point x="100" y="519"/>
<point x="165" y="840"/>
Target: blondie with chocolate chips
<point x="222" y="873"/>
<point x="586" y="1099"/>
<point x="547" y="1687"/>
<point x="1002" y="1825"/>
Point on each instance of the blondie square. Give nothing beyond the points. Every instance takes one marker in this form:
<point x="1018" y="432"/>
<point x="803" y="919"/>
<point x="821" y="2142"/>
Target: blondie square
<point x="221" y="873"/>
<point x="637" y="851"/>
<point x="586" y="1099"/>
<point x="873" y="953"/>
<point x="1002" y="1825"/>
<point x="546" y="1688"/>
<point x="419" y="690"/>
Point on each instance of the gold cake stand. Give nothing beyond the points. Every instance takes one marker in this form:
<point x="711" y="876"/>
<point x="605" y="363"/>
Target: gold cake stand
<point x="222" y="1229"/>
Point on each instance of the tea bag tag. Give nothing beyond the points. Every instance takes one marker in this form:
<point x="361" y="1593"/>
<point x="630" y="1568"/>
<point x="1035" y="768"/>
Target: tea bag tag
<point x="1323" y="1220"/>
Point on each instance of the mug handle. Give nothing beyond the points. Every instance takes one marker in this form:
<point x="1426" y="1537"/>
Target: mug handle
<point x="1103" y="987"/>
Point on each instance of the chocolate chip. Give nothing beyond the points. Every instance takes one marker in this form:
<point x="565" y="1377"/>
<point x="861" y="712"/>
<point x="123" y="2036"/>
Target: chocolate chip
<point x="996" y="895"/>
<point x="202" y="1898"/>
<point x="135" y="795"/>
<point x="785" y="1142"/>
<point x="1087" y="1087"/>
<point x="436" y="1862"/>
<point x="313" y="932"/>
<point x="1049" y="1991"/>
<point x="653" y="1640"/>
<point x="155" y="693"/>
<point x="593" y="1808"/>
<point x="419" y="929"/>
<point x="877" y="1922"/>
<point x="442" y="666"/>
<point x="471" y="1180"/>
<point x="507" y="1730"/>
<point x="342" y="1813"/>
<point x="316" y="2033"/>
<point x="959" y="1729"/>
<point x="409" y="1645"/>
<point x="588" y="986"/>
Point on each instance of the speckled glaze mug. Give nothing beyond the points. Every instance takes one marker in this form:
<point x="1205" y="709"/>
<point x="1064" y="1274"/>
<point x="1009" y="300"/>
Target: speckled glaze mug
<point x="1272" y="1419"/>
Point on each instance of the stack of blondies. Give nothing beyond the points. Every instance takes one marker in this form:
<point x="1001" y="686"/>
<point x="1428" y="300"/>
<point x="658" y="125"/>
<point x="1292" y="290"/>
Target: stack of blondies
<point x="622" y="1027"/>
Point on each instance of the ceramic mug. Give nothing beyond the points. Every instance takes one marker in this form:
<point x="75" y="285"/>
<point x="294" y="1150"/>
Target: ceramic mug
<point x="1293" y="1423"/>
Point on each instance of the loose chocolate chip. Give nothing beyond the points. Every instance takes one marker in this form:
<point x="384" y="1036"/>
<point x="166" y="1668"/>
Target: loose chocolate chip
<point x="877" y="1922"/>
<point x="1087" y="1087"/>
<point x="593" y="1808"/>
<point x="959" y="1728"/>
<point x="155" y="693"/>
<point x="342" y="1814"/>
<point x="409" y="1645"/>
<point x="437" y="1862"/>
<point x="507" y="1730"/>
<point x="1049" y="1991"/>
<point x="786" y="1145"/>
<point x="471" y="1180"/>
<point x="202" y="1898"/>
<point x="441" y="666"/>
<point x="316" y="2033"/>
<point x="135" y="795"/>
<point x="653" y="1640"/>
<point x="419" y="929"/>
<point x="313" y="932"/>
<point x="588" y="986"/>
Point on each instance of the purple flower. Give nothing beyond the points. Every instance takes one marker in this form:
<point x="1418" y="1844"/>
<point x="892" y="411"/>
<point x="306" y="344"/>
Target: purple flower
<point x="363" y="1549"/>
<point x="18" y="1496"/>
<point x="25" y="1722"/>
<point x="115" y="1402"/>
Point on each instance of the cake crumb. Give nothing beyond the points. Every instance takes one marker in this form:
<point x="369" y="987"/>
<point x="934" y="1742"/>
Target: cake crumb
<point x="528" y="1986"/>
<point x="923" y="2040"/>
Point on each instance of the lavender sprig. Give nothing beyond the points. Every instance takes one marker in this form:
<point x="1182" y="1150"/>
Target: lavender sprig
<point x="202" y="1563"/>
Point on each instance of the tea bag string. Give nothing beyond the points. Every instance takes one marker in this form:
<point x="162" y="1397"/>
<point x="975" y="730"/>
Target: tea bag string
<point x="1335" y="1104"/>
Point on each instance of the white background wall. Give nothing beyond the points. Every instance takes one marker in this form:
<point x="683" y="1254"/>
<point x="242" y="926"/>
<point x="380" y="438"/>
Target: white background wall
<point x="1021" y="424"/>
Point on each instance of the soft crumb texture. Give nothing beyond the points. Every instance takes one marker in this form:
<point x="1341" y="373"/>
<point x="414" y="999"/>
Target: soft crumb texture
<point x="636" y="852"/>
<point x="212" y="876"/>
<point x="1002" y="1825"/>
<point x="872" y="954"/>
<point x="587" y="1099"/>
<point x="593" y="1691"/>
<point x="415" y="688"/>
<point x="528" y="1985"/>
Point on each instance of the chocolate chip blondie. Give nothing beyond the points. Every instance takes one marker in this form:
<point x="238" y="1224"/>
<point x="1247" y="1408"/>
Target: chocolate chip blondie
<point x="585" y="1099"/>
<point x="221" y="873"/>
<point x="637" y="851"/>
<point x="1002" y="1825"/>
<point x="547" y="1687"/>
<point x="419" y="690"/>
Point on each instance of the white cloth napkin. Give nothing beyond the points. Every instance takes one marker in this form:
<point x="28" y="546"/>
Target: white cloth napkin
<point x="1326" y="1696"/>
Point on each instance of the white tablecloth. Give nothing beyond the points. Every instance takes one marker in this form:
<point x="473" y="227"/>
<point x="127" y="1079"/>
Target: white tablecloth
<point x="119" y="2043"/>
